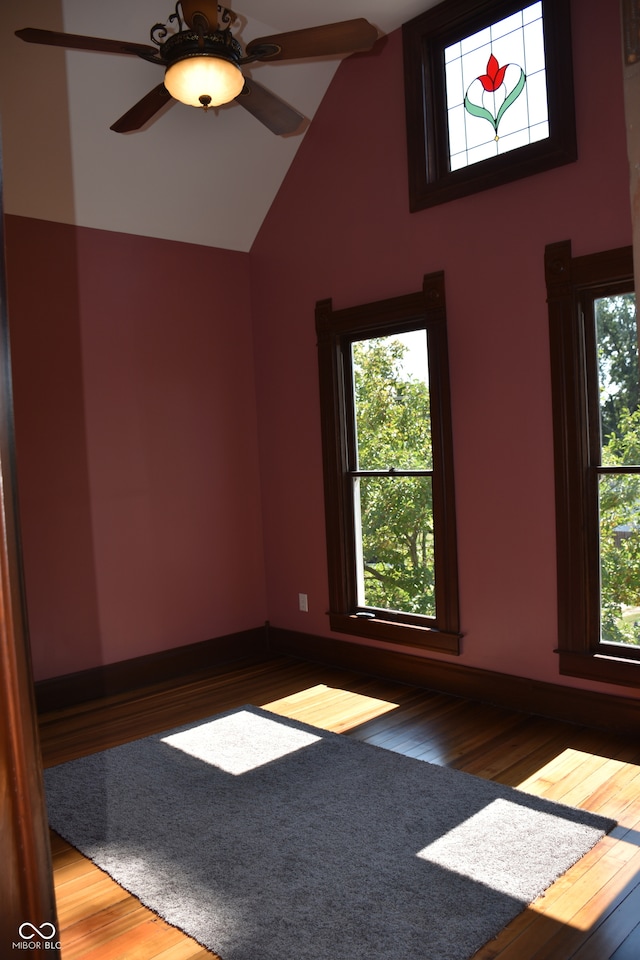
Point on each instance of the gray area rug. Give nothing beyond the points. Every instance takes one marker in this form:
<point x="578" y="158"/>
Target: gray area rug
<point x="266" y="839"/>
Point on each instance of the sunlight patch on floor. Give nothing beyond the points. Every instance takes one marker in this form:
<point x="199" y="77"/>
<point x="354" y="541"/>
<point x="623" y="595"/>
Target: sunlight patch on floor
<point x="569" y="757"/>
<point x="559" y="913"/>
<point x="348" y="709"/>
<point x="562" y="901"/>
<point x="567" y="766"/>
<point x="606" y="785"/>
<point x="559" y="902"/>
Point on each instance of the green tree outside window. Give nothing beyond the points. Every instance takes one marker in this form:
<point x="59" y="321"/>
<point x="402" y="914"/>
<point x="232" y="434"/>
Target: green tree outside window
<point x="393" y="434"/>
<point x="619" y="492"/>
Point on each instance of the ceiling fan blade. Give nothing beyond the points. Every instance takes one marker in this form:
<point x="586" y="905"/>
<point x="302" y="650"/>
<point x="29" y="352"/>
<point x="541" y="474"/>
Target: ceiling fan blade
<point x="348" y="36"/>
<point x="207" y="8"/>
<point x="143" y="110"/>
<point x="74" y="41"/>
<point x="269" y="109"/>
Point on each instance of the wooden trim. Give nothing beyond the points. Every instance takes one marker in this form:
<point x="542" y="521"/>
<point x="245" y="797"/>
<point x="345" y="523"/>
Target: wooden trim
<point x="25" y="854"/>
<point x="126" y="675"/>
<point x="336" y="330"/>
<point x="622" y="670"/>
<point x="409" y="635"/>
<point x="584" y="707"/>
<point x="572" y="283"/>
<point x="631" y="30"/>
<point x="568" y="365"/>
<point x="444" y="497"/>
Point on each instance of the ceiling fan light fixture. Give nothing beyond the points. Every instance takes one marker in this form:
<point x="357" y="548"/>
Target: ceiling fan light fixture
<point x="204" y="80"/>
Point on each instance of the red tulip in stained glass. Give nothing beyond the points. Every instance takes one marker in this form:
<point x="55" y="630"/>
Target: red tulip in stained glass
<point x="491" y="82"/>
<point x="494" y="76"/>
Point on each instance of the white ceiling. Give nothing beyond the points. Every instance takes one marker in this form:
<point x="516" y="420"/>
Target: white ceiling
<point x="189" y="176"/>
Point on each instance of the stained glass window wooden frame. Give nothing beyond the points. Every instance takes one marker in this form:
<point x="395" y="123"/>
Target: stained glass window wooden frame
<point x="433" y="179"/>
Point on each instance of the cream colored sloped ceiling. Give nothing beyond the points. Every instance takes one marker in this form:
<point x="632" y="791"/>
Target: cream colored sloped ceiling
<point x="189" y="176"/>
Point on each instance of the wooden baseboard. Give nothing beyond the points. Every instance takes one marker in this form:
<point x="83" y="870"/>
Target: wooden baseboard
<point x="127" y="675"/>
<point x="585" y="707"/>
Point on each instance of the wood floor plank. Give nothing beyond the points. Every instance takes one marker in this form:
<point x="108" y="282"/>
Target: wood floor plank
<point x="557" y="925"/>
<point x="608" y="917"/>
<point x="76" y="903"/>
<point x="624" y="805"/>
<point x="103" y="926"/>
<point x="348" y="708"/>
<point x="604" y="773"/>
<point x="516" y="764"/>
<point x="629" y="949"/>
<point x="186" y="950"/>
<point x="144" y="941"/>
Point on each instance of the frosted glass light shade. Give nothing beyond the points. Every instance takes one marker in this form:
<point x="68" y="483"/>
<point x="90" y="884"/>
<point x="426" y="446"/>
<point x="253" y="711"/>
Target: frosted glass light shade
<point x="204" y="76"/>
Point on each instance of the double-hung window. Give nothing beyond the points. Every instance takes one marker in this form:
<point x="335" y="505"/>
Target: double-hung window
<point x="596" y="403"/>
<point x="388" y="469"/>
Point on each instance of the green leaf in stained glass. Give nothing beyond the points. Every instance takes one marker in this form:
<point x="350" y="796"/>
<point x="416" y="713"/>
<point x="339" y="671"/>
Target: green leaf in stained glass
<point x="477" y="110"/>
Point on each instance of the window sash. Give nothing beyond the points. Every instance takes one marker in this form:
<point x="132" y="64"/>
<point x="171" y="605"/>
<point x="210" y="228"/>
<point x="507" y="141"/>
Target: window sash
<point x="337" y="330"/>
<point x="400" y="578"/>
<point x="572" y="286"/>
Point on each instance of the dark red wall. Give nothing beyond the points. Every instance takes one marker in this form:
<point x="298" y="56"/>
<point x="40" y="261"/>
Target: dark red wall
<point x="136" y="437"/>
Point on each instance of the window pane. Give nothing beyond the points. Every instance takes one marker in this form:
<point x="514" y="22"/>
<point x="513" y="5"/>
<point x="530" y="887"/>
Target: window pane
<point x="394" y="527"/>
<point x="392" y="409"/>
<point x="619" y="496"/>
<point x="496" y="89"/>
<point x="618" y="378"/>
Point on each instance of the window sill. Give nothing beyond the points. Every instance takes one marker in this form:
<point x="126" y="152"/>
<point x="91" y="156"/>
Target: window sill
<point x="599" y="666"/>
<point x="409" y="634"/>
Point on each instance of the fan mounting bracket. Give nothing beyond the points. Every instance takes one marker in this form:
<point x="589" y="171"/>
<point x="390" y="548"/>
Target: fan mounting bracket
<point x="266" y="51"/>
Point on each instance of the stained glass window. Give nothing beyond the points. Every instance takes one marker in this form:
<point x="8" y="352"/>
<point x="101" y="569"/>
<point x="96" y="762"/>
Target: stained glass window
<point x="496" y="89"/>
<point x="489" y="95"/>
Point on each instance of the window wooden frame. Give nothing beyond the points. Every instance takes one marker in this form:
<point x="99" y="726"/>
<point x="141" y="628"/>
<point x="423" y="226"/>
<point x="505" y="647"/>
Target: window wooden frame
<point x="425" y="38"/>
<point x="337" y="330"/>
<point x="572" y="284"/>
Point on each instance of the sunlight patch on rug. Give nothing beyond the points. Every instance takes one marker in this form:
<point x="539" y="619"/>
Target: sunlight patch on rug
<point x="518" y="828"/>
<point x="240" y="742"/>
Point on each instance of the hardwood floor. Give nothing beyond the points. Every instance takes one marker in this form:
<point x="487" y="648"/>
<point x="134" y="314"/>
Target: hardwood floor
<point x="590" y="913"/>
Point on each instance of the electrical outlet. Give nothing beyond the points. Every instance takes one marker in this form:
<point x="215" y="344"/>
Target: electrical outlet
<point x="303" y="602"/>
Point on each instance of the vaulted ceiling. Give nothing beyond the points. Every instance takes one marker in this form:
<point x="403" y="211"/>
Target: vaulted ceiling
<point x="189" y="176"/>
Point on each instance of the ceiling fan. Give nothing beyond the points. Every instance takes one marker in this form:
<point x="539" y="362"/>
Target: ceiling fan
<point x="202" y="61"/>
